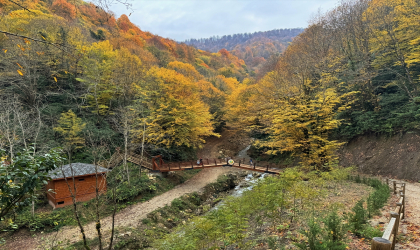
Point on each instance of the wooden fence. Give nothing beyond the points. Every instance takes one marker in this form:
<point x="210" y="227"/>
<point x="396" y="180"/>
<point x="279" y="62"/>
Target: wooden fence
<point x="388" y="239"/>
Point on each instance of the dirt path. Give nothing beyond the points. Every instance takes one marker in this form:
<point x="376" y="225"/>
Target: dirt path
<point x="229" y="143"/>
<point x="129" y="217"/>
<point x="411" y="224"/>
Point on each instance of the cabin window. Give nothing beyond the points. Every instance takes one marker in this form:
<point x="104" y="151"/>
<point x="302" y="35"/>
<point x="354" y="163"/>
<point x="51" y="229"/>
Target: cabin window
<point x="81" y="179"/>
<point x="60" y="202"/>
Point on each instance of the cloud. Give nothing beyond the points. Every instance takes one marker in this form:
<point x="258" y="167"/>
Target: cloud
<point x="183" y="19"/>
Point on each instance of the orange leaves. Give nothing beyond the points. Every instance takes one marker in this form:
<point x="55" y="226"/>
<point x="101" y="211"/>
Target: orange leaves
<point x="21" y="48"/>
<point x="224" y="52"/>
<point x="64" y="9"/>
<point x="19" y="71"/>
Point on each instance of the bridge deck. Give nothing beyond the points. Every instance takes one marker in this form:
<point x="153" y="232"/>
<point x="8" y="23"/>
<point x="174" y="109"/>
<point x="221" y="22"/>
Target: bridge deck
<point x="158" y="165"/>
<point x="179" y="167"/>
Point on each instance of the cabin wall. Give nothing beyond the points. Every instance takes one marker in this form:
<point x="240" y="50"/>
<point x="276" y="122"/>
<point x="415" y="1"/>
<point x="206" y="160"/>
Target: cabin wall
<point x="85" y="187"/>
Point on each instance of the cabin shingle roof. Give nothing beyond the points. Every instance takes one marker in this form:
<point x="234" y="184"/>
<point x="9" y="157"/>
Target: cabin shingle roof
<point x="77" y="169"/>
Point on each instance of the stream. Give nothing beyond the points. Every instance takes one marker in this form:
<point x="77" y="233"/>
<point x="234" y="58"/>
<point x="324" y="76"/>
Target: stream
<point x="246" y="184"/>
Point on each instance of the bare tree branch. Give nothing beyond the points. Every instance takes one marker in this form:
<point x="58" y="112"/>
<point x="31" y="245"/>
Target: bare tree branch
<point x="20" y="5"/>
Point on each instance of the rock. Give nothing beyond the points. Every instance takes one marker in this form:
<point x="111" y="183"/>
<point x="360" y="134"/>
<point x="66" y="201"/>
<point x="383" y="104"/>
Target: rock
<point x="126" y="234"/>
<point x="245" y="184"/>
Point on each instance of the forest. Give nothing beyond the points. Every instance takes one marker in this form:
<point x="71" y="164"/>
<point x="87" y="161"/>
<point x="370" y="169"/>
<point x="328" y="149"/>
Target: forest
<point x="75" y="80"/>
<point x="254" y="48"/>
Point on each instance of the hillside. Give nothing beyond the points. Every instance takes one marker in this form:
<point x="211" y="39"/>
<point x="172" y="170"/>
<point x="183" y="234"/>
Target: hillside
<point x="72" y="55"/>
<point x="396" y="156"/>
<point x="254" y="48"/>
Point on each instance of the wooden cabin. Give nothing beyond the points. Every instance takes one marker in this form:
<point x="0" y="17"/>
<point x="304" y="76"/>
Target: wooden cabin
<point x="58" y="192"/>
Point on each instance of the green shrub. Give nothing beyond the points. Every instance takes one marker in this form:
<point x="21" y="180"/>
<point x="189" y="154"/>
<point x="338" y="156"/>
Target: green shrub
<point x="329" y="237"/>
<point x="178" y="204"/>
<point x="41" y="221"/>
<point x="336" y="229"/>
<point x="370" y="232"/>
<point x="314" y="235"/>
<point x="358" y="219"/>
<point x="375" y="201"/>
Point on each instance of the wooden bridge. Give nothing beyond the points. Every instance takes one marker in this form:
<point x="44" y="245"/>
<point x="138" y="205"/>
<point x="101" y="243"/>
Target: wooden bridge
<point x="156" y="163"/>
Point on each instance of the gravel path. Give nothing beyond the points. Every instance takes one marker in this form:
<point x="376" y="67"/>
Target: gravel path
<point x="129" y="217"/>
<point x="411" y="223"/>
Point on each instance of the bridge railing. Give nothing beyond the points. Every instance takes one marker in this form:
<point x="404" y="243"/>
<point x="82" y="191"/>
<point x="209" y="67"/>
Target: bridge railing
<point x="388" y="239"/>
<point x="160" y="165"/>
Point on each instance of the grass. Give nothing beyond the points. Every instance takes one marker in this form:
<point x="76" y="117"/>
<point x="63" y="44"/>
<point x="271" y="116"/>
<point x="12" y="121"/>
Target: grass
<point x="280" y="213"/>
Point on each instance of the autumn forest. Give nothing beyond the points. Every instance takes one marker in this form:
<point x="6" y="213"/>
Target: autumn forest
<point x="75" y="79"/>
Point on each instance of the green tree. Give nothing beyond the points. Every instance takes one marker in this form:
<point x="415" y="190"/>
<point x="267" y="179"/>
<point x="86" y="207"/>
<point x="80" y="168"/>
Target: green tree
<point x="20" y="179"/>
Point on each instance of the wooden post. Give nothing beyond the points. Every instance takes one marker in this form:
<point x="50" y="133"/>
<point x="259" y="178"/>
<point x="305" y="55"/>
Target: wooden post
<point x="215" y="162"/>
<point x="397" y="223"/>
<point x="153" y="164"/>
<point x="403" y="186"/>
<point x="180" y="165"/>
<point x="403" y="205"/>
<point x="399" y="206"/>
<point x="395" y="187"/>
<point x="254" y="165"/>
<point x="267" y="168"/>
<point x="387" y="181"/>
<point x="208" y="161"/>
<point x="239" y="163"/>
<point x="380" y="244"/>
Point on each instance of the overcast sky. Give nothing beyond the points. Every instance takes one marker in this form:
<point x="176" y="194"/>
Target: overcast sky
<point x="183" y="19"/>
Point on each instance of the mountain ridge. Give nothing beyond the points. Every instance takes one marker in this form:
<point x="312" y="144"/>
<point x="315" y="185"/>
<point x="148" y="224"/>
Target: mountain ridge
<point x="254" y="48"/>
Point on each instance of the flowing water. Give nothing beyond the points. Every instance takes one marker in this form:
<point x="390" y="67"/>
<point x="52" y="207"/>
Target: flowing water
<point x="247" y="184"/>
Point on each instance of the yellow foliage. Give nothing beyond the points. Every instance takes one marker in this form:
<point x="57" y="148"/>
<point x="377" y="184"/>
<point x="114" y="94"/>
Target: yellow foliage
<point x="177" y="115"/>
<point x="97" y="63"/>
<point x="70" y="127"/>
<point x="302" y="125"/>
<point x="226" y="84"/>
<point x="185" y="69"/>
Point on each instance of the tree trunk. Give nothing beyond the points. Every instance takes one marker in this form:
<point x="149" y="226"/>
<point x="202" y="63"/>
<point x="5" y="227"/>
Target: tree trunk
<point x="142" y="147"/>
<point x="75" y="211"/>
